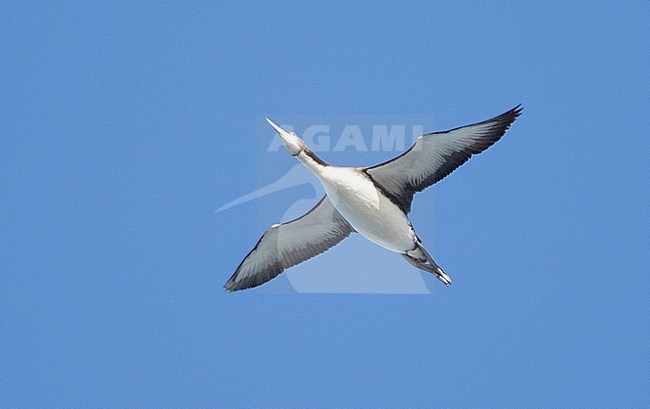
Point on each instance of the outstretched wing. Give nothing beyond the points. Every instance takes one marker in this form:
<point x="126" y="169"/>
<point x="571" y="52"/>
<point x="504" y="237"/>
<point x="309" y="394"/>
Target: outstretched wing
<point x="436" y="155"/>
<point x="285" y="245"/>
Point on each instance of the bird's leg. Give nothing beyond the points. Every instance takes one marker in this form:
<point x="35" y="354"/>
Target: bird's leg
<point x="422" y="259"/>
<point x="442" y="276"/>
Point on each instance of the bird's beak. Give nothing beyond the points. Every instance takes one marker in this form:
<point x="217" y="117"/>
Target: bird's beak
<point x="277" y="128"/>
<point x="290" y="141"/>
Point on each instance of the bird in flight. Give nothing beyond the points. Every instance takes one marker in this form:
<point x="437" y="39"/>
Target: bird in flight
<point x="374" y="201"/>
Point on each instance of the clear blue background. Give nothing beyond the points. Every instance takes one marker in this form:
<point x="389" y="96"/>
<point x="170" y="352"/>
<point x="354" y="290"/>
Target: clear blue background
<point x="125" y="126"/>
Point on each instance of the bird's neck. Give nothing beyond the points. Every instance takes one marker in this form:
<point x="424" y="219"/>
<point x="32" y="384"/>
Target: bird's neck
<point x="315" y="164"/>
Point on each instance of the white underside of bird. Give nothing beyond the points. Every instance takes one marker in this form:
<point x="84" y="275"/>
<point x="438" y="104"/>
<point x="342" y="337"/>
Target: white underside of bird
<point x="371" y="213"/>
<point x="373" y="202"/>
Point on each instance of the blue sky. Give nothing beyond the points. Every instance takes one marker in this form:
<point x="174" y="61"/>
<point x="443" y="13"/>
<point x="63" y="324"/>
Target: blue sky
<point x="125" y="126"/>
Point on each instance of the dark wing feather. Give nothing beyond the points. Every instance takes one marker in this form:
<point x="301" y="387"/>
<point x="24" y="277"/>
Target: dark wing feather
<point x="436" y="155"/>
<point x="285" y="245"/>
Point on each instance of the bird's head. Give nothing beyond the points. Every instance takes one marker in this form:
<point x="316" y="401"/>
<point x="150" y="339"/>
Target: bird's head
<point x="290" y="140"/>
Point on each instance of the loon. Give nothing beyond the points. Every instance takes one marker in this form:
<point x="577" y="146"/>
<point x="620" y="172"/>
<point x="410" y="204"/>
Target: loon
<point x="373" y="201"/>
